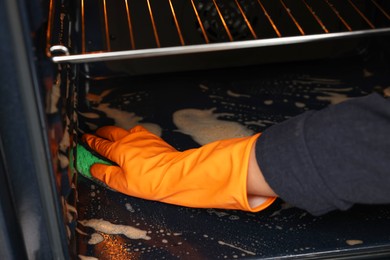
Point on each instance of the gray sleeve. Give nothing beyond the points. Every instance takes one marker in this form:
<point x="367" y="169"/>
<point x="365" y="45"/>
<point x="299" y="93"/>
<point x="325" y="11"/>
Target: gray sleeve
<point x="332" y="158"/>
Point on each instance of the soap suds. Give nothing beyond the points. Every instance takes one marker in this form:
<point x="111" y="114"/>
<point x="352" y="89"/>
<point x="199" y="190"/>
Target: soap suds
<point x="283" y="206"/>
<point x="129" y="207"/>
<point x="334" y="96"/>
<point x="89" y="115"/>
<point x="203" y="87"/>
<point x="262" y="123"/>
<point x="98" y="98"/>
<point x="81" y="232"/>
<point x="300" y="104"/>
<point x="92" y="126"/>
<point x="233" y="94"/>
<point x="352" y="242"/>
<point x="96" y="238"/>
<point x="386" y="92"/>
<point x="127" y="120"/>
<point x="83" y="257"/>
<point x="54" y="95"/>
<point x="113" y="229"/>
<point x="71" y="211"/>
<point x="311" y="81"/>
<point x="205" y="127"/>
<point x="367" y="73"/>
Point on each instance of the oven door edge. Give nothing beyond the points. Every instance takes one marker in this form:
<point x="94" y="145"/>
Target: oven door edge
<point x="26" y="153"/>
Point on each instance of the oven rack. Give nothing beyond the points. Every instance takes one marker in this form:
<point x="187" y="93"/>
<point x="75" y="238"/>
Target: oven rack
<point x="129" y="29"/>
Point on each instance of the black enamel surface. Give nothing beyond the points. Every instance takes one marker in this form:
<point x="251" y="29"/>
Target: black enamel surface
<point x="265" y="95"/>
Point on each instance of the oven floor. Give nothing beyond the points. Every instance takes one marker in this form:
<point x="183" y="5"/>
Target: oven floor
<point x="255" y="98"/>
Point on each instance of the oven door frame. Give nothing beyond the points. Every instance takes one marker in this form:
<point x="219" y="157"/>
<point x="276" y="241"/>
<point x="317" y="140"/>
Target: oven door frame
<point x="30" y="212"/>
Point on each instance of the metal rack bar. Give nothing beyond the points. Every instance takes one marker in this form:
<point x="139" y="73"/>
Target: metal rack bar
<point x="60" y="53"/>
<point x="49" y="27"/>
<point x="129" y="24"/>
<point x="176" y="23"/>
<point x="153" y="24"/>
<point x="381" y="9"/>
<point x="338" y="15"/>
<point x="361" y="14"/>
<point x="107" y="31"/>
<point x="269" y="19"/>
<point x="223" y="21"/>
<point x="246" y="19"/>
<point x="200" y="22"/>
<point x="316" y="17"/>
<point x="83" y="50"/>
<point x="166" y="51"/>
<point x="292" y="17"/>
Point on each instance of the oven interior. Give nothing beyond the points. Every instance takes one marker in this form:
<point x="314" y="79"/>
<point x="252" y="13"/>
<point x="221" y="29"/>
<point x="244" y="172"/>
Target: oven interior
<point x="250" y="64"/>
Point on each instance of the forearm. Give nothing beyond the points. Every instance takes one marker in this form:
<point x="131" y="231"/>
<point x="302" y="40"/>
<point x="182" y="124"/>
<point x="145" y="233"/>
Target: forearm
<point x="330" y="159"/>
<point x="256" y="184"/>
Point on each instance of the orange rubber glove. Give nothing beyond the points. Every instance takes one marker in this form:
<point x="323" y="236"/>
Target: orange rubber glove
<point x="212" y="176"/>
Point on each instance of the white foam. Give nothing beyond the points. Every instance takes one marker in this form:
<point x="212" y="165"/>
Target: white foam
<point x="205" y="127"/>
<point x="234" y="94"/>
<point x="333" y="98"/>
<point x="114" y="229"/>
<point x="386" y="92"/>
<point x="96" y="238"/>
<point x="83" y="257"/>
<point x="300" y="104"/>
<point x="353" y="242"/>
<point x="127" y="120"/>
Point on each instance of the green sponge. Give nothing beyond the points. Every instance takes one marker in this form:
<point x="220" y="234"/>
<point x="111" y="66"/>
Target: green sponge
<point x="85" y="158"/>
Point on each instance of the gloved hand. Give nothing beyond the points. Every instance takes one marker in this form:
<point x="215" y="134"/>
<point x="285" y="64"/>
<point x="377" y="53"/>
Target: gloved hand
<point x="212" y="176"/>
